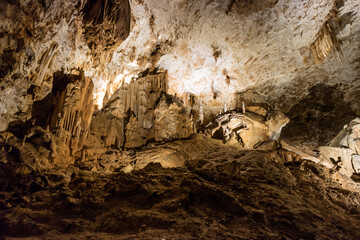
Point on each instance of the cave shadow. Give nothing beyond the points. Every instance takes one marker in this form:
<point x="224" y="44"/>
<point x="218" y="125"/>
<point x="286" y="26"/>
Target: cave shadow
<point x="319" y="116"/>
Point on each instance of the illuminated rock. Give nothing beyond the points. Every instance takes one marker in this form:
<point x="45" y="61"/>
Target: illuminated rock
<point x="343" y="152"/>
<point x="142" y="111"/>
<point x="172" y="121"/>
<point x="250" y="129"/>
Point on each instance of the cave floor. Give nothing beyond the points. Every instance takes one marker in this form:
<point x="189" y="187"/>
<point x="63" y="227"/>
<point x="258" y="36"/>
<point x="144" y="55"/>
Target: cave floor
<point x="222" y="192"/>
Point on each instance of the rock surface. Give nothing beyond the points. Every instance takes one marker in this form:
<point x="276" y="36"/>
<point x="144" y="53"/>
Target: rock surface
<point x="224" y="193"/>
<point x="39" y="38"/>
<point x="248" y="129"/>
<point x="343" y="152"/>
<point x="212" y="50"/>
<point x="216" y="49"/>
<point x="160" y="71"/>
<point x="319" y="117"/>
<point x="140" y="112"/>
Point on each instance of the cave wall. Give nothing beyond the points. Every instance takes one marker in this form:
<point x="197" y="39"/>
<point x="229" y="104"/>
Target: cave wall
<point x="318" y="117"/>
<point x="38" y="38"/>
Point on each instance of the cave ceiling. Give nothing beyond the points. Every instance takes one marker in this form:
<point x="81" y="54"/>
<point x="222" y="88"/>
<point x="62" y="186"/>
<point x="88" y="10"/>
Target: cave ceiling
<point x="210" y="49"/>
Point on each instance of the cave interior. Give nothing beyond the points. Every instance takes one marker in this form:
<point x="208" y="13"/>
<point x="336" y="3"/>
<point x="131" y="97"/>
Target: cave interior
<point x="182" y="119"/>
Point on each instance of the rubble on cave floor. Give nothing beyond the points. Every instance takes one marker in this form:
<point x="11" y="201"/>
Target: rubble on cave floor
<point x="216" y="191"/>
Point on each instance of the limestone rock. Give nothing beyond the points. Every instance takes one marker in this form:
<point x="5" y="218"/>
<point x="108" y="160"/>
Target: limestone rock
<point x="107" y="128"/>
<point x="258" y="110"/>
<point x="318" y="117"/>
<point x="38" y="150"/>
<point x="337" y="158"/>
<point x="217" y="49"/>
<point x="68" y="110"/>
<point x="343" y="151"/>
<point x="135" y="135"/>
<point x="249" y="129"/>
<point x="167" y="158"/>
<point x="106" y="24"/>
<point x="142" y="111"/>
<point x="348" y="137"/>
<point x="172" y="121"/>
<point x="270" y="145"/>
<point x="38" y="38"/>
<point x="356" y="163"/>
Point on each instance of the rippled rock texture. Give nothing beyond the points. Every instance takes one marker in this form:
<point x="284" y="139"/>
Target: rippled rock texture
<point x="222" y="193"/>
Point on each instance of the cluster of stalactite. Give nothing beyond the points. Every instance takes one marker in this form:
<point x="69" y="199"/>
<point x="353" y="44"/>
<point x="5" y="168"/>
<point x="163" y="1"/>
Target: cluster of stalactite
<point x="67" y="110"/>
<point x="73" y="112"/>
<point x="106" y="22"/>
<point x="134" y="113"/>
<point x="327" y="40"/>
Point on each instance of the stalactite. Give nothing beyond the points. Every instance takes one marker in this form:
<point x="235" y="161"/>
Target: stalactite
<point x="73" y="112"/>
<point x="138" y="98"/>
<point x="326" y="40"/>
<point x="46" y="59"/>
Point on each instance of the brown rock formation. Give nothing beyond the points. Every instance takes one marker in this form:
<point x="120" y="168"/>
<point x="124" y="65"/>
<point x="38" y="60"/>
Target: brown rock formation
<point x="106" y="24"/>
<point x="141" y="111"/>
<point x="135" y="169"/>
<point x="69" y="109"/>
<point x="38" y="38"/>
<point x="73" y="112"/>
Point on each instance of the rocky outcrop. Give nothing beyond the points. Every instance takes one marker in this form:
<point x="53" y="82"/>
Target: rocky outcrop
<point x="142" y="111"/>
<point x="172" y="120"/>
<point x="249" y="129"/>
<point x="67" y="110"/>
<point x="36" y="151"/>
<point x="348" y="137"/>
<point x="319" y="117"/>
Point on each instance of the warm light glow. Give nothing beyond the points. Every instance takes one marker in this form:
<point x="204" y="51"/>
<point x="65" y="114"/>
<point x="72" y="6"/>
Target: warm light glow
<point x="100" y="86"/>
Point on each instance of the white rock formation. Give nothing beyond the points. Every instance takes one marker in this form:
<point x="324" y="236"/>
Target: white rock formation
<point x="343" y="151"/>
<point x="249" y="130"/>
<point x="213" y="49"/>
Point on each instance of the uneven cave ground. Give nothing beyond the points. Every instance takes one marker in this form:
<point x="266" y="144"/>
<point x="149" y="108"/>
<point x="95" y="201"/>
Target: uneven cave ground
<point x="224" y="192"/>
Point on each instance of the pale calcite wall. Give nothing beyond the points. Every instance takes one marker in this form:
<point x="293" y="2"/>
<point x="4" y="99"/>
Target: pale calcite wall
<point x="268" y="49"/>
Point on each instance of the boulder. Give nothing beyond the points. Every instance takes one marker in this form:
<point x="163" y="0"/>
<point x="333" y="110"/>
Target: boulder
<point x="348" y="137"/>
<point x="248" y="129"/>
<point x="343" y="152"/>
